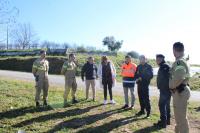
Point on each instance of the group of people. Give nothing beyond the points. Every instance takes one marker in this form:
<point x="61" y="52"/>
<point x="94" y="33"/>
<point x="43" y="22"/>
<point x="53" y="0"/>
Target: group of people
<point x="170" y="81"/>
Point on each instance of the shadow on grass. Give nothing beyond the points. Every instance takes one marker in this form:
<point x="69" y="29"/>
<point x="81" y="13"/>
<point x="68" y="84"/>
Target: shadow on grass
<point x="55" y="115"/>
<point x="111" y="125"/>
<point x="87" y="120"/>
<point x="60" y="105"/>
<point x="148" y="129"/>
<point x="22" y="111"/>
<point x="198" y="109"/>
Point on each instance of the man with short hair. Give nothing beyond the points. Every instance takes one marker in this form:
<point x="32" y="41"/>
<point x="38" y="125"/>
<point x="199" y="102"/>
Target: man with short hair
<point x="40" y="71"/>
<point x="69" y="71"/>
<point x="128" y="70"/>
<point x="178" y="83"/>
<point x="143" y="76"/>
<point x="165" y="94"/>
<point x="89" y="71"/>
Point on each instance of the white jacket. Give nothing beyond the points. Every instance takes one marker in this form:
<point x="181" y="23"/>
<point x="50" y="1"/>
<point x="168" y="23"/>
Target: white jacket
<point x="113" y="72"/>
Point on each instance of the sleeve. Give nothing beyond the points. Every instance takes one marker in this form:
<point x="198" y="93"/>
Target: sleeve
<point x="113" y="69"/>
<point x="64" y="68"/>
<point x="83" y="71"/>
<point x="47" y="66"/>
<point x="148" y="75"/>
<point x="150" y="72"/>
<point x="166" y="69"/>
<point x="96" y="70"/>
<point x="122" y="69"/>
<point x="136" y="73"/>
<point x="135" y="68"/>
<point x="34" y="67"/>
<point x="99" y="72"/>
<point x="180" y="74"/>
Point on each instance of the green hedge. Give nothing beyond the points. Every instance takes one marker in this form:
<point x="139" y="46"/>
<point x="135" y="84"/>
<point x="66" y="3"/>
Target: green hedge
<point x="25" y="64"/>
<point x="55" y="62"/>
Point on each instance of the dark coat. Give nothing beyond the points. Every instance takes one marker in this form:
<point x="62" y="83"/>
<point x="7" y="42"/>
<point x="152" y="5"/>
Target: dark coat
<point x="89" y="71"/>
<point x="163" y="76"/>
<point x="145" y="72"/>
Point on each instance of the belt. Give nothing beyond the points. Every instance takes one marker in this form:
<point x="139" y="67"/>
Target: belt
<point x="179" y="88"/>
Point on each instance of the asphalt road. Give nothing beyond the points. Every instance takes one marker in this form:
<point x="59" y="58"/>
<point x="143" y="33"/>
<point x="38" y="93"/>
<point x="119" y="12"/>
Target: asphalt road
<point x="58" y="80"/>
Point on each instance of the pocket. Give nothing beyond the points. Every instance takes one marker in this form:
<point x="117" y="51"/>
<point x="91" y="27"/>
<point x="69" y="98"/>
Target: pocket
<point x="186" y="93"/>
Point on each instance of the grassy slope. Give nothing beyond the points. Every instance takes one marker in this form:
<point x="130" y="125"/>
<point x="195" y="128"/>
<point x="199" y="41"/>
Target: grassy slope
<point x="18" y="112"/>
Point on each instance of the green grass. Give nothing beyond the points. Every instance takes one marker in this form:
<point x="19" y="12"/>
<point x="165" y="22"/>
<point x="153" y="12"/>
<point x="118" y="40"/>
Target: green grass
<point x="18" y="112"/>
<point x="194" y="83"/>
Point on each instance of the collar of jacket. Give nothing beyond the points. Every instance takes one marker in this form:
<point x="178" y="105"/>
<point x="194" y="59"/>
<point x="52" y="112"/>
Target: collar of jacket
<point x="163" y="62"/>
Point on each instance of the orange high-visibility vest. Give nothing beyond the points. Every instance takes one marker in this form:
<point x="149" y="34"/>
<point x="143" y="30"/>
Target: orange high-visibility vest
<point x="128" y="70"/>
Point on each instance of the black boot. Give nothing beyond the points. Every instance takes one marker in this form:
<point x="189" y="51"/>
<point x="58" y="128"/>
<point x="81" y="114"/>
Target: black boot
<point x="37" y="104"/>
<point x="148" y="115"/>
<point x="168" y="122"/>
<point x="140" y="113"/>
<point x="74" y="101"/>
<point x="160" y="124"/>
<point x="125" y="106"/>
<point x="45" y="103"/>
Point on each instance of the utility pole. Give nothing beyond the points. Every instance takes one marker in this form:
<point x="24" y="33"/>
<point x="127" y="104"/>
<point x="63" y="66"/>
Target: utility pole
<point x="7" y="37"/>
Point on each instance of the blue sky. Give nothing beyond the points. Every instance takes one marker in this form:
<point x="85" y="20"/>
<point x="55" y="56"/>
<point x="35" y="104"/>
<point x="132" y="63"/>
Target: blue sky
<point x="146" y="26"/>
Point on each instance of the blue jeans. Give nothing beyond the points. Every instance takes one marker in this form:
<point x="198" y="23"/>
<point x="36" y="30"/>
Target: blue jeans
<point x="164" y="105"/>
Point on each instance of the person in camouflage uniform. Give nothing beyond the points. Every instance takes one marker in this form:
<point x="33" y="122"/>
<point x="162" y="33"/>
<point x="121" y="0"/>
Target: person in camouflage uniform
<point x="69" y="71"/>
<point x="40" y="71"/>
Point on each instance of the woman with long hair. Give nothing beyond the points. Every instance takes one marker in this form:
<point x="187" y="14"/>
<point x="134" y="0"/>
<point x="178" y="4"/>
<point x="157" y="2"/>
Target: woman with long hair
<point x="107" y="76"/>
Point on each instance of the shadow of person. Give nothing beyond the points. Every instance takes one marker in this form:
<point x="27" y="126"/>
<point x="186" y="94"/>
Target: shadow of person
<point x="87" y="120"/>
<point x="61" y="105"/>
<point x="198" y="109"/>
<point x="111" y="125"/>
<point x="148" y="129"/>
<point x="55" y="115"/>
<point x="22" y="111"/>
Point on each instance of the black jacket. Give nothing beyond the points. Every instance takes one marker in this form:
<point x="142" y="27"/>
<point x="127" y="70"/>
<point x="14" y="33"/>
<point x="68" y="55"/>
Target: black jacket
<point x="89" y="71"/>
<point x="145" y="72"/>
<point x="163" y="76"/>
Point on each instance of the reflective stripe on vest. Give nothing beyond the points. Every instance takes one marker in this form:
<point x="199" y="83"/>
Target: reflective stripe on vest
<point x="128" y="70"/>
<point x="126" y="81"/>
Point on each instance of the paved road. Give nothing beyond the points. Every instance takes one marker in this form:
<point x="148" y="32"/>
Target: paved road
<point x="58" y="80"/>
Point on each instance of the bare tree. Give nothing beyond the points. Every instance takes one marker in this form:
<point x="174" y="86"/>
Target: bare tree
<point x="8" y="15"/>
<point x="46" y="44"/>
<point x="24" y="36"/>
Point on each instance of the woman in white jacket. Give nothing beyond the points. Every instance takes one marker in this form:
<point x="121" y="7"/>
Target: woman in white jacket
<point x="107" y="77"/>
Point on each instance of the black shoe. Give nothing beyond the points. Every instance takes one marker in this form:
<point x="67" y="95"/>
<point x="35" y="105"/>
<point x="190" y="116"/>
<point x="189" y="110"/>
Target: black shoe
<point x="66" y="105"/>
<point x="160" y="124"/>
<point x="74" y="101"/>
<point x="45" y="103"/>
<point x="37" y="104"/>
<point x="157" y="123"/>
<point x="140" y="113"/>
<point x="132" y="107"/>
<point x="148" y="115"/>
<point x="125" y="106"/>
